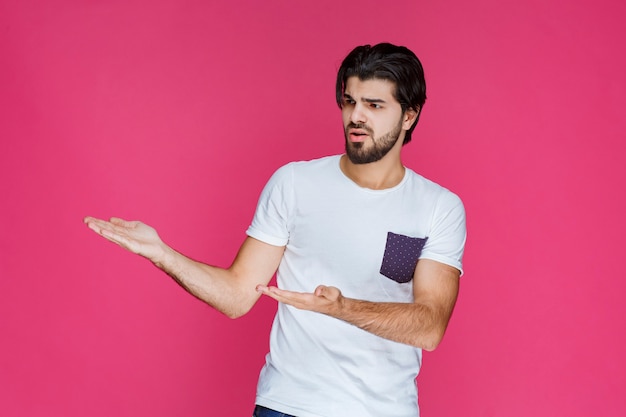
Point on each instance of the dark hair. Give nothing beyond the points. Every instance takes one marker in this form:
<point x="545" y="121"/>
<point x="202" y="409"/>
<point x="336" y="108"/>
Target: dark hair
<point x="387" y="62"/>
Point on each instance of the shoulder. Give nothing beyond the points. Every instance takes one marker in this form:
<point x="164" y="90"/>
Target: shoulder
<point x="430" y="189"/>
<point x="315" y="164"/>
<point x="308" y="168"/>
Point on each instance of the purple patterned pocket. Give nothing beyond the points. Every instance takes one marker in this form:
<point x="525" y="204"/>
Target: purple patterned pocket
<point x="401" y="255"/>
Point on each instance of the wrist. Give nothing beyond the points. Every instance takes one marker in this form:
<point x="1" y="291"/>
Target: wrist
<point x="342" y="307"/>
<point x="164" y="256"/>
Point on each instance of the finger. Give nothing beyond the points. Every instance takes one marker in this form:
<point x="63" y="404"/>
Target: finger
<point x="328" y="293"/>
<point x="320" y="291"/>
<point x="269" y="293"/>
<point x="121" y="222"/>
<point x="88" y="220"/>
<point x="283" y="296"/>
<point x="99" y="226"/>
<point x="272" y="291"/>
<point x="108" y="230"/>
<point x="115" y="238"/>
<point x="94" y="224"/>
<point x="261" y="289"/>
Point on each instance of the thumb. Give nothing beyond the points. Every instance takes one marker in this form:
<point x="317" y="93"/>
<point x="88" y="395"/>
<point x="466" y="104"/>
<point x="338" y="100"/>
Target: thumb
<point x="321" y="291"/>
<point x="330" y="293"/>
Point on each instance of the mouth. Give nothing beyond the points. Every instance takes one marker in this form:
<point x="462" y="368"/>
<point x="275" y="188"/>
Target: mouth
<point x="357" y="135"/>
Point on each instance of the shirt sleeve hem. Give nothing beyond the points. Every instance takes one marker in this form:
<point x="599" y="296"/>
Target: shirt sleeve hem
<point x="444" y="260"/>
<point x="266" y="238"/>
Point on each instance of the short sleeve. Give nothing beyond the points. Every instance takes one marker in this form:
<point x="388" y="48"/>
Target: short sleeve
<point x="446" y="240"/>
<point x="270" y="223"/>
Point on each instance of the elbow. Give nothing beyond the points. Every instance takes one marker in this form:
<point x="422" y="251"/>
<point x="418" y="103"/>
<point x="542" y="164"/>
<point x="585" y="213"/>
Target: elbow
<point x="432" y="334"/>
<point x="234" y="306"/>
<point x="430" y="345"/>
<point x="235" y="314"/>
<point x="237" y="311"/>
<point x="430" y="341"/>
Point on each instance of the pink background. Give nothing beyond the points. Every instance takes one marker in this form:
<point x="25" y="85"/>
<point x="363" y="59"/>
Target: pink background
<point x="177" y="112"/>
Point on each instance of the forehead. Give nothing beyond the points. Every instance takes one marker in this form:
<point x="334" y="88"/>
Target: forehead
<point x="371" y="88"/>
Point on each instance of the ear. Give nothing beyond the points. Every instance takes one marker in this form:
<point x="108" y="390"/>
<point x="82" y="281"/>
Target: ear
<point x="409" y="117"/>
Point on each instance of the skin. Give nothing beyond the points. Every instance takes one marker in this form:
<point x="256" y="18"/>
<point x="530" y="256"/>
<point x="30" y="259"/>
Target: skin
<point x="381" y="130"/>
<point x="371" y="104"/>
<point x="228" y="290"/>
<point x="372" y="118"/>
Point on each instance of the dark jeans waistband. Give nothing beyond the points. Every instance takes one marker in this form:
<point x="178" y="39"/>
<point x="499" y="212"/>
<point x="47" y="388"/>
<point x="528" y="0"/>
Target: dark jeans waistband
<point x="260" y="411"/>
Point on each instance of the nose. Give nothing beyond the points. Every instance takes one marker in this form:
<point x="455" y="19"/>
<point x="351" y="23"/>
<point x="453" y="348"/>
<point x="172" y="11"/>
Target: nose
<point x="357" y="116"/>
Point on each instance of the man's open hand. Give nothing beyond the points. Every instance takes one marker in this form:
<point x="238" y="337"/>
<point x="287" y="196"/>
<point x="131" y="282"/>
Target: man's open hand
<point x="134" y="236"/>
<point x="325" y="300"/>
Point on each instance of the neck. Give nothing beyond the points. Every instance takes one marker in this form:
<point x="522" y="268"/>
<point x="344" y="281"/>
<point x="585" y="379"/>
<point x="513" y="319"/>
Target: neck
<point x="385" y="173"/>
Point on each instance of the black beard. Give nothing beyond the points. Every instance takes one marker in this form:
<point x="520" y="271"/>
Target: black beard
<point x="358" y="154"/>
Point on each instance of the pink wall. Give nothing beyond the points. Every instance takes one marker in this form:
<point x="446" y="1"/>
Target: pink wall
<point x="176" y="112"/>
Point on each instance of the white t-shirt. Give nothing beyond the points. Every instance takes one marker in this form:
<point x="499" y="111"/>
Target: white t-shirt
<point x="366" y="243"/>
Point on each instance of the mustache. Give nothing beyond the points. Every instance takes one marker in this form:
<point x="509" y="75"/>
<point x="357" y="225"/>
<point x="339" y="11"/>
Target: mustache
<point x="358" y="126"/>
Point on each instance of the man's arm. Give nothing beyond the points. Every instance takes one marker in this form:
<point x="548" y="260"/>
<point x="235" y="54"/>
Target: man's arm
<point x="229" y="290"/>
<point x="421" y="323"/>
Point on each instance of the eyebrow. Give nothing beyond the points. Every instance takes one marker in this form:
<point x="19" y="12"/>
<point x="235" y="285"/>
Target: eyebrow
<point x="365" y="99"/>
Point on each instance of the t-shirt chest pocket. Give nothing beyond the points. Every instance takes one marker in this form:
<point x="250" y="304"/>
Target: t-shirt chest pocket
<point x="401" y="256"/>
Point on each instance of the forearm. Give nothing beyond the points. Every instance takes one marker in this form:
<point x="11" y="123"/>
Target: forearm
<point x="410" y="323"/>
<point x="218" y="287"/>
<point x="231" y="290"/>
<point x="421" y="323"/>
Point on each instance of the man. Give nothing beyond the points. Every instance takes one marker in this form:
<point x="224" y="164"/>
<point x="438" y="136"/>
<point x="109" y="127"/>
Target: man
<point x="367" y="253"/>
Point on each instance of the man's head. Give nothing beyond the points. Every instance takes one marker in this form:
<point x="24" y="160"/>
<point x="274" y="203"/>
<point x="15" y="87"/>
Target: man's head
<point x="388" y="62"/>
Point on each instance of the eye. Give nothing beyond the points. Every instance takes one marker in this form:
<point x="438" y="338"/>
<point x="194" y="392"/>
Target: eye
<point x="375" y="106"/>
<point x="347" y="101"/>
